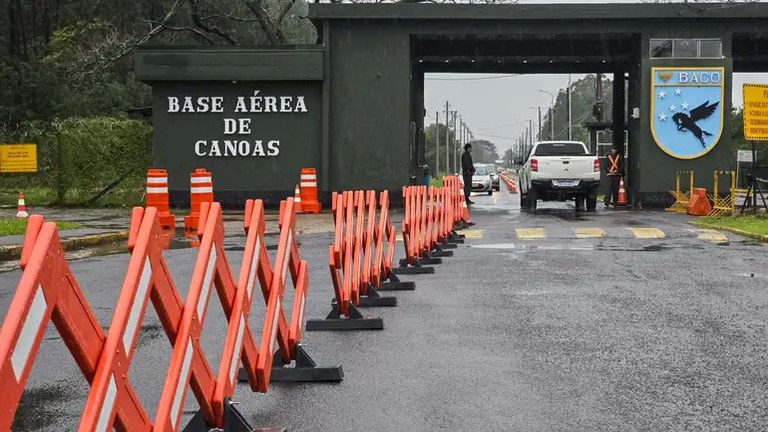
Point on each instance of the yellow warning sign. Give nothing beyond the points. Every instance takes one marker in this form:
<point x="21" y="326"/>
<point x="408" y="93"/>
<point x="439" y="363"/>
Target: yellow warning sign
<point x="756" y="112"/>
<point x="18" y="158"/>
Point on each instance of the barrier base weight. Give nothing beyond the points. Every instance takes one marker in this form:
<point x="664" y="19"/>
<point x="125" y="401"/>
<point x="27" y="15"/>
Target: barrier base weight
<point x="374" y="299"/>
<point x="234" y="421"/>
<point x="305" y="370"/>
<point x="395" y="284"/>
<point x="441" y="253"/>
<point x="356" y="321"/>
<point x="423" y="261"/>
<point x="418" y="269"/>
<point x="448" y="245"/>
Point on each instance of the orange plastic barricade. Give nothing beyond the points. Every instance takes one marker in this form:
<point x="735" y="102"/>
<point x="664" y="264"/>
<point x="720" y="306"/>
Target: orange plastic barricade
<point x="417" y="237"/>
<point x="47" y="291"/>
<point x="288" y="337"/>
<point x="370" y="296"/>
<point x="345" y="271"/>
<point x="382" y="277"/>
<point x="200" y="191"/>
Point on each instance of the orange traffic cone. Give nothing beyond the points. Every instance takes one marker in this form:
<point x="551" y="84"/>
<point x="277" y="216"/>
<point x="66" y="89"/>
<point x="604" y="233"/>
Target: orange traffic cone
<point x="622" y="194"/>
<point x="21" y="208"/>
<point x="297" y="200"/>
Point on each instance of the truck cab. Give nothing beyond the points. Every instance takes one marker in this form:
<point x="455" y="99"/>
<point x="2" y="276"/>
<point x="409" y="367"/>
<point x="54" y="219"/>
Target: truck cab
<point x="559" y="171"/>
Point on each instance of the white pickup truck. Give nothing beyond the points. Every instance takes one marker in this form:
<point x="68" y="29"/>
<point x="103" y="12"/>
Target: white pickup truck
<point x="559" y="171"/>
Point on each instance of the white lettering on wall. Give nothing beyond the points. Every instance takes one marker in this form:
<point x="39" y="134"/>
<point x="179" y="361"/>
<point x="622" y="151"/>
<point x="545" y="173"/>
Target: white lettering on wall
<point x="237" y="125"/>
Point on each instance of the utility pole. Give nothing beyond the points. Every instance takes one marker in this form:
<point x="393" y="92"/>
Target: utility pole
<point x="551" y="114"/>
<point x="539" y="123"/>
<point x="570" y="118"/>
<point x="530" y="132"/>
<point x="437" y="143"/>
<point x="454" y="142"/>
<point x="447" y="137"/>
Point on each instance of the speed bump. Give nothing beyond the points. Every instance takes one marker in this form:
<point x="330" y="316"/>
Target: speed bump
<point x="647" y="233"/>
<point x="530" y="233"/>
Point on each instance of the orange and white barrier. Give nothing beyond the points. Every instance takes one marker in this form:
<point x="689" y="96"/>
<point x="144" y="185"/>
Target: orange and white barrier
<point x="48" y="291"/>
<point x="200" y="191"/>
<point x="157" y="196"/>
<point x="297" y="200"/>
<point x="309" y="200"/>
<point x="21" y="207"/>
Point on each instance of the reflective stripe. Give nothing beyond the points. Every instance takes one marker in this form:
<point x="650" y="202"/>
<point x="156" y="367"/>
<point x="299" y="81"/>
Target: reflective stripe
<point x="253" y="268"/>
<point x="21" y="202"/>
<point x="309" y="184"/>
<point x="198" y="180"/>
<point x="181" y="385"/>
<point x="274" y="326"/>
<point x="107" y="406"/>
<point x="157" y="190"/>
<point x="287" y="256"/>
<point x="297" y="199"/>
<point x="238" y="346"/>
<point x="301" y="311"/>
<point x="207" y="281"/>
<point x="157" y="180"/>
<point x="138" y="302"/>
<point x="309" y="176"/>
<point x="614" y="164"/>
<point x="28" y="332"/>
<point x="201" y="189"/>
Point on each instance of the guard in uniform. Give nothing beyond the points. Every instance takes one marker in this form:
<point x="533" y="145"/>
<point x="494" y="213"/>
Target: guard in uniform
<point x="615" y="172"/>
<point x="467" y="171"/>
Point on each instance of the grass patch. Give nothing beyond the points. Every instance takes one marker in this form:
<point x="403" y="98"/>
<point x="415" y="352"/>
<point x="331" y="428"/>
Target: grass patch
<point x="46" y="197"/>
<point x="16" y="226"/>
<point x="33" y="197"/>
<point x="752" y="224"/>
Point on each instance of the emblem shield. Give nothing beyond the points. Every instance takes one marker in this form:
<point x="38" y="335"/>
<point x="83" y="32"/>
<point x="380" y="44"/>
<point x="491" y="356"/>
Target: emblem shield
<point x="687" y="109"/>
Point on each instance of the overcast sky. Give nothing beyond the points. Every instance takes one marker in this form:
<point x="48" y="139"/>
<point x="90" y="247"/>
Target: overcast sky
<point x="497" y="107"/>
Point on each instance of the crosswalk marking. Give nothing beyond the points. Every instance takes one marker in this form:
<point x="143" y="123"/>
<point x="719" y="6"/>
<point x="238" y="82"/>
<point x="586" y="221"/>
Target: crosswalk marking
<point x="709" y="235"/>
<point x="530" y="233"/>
<point x="587" y="232"/>
<point x="647" y="233"/>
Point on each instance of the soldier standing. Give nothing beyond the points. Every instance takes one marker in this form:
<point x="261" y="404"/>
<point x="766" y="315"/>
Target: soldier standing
<point x="467" y="171"/>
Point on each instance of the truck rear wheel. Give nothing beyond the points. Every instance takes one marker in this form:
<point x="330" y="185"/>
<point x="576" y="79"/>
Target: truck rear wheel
<point x="532" y="199"/>
<point x="591" y="202"/>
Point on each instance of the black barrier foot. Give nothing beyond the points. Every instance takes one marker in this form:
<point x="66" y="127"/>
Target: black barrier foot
<point x="395" y="284"/>
<point x="456" y="238"/>
<point x="374" y="299"/>
<point x="423" y="261"/>
<point x="356" y="321"/>
<point x="234" y="421"/>
<point x="306" y="370"/>
<point x="440" y="252"/>
<point x="416" y="268"/>
<point x="448" y="245"/>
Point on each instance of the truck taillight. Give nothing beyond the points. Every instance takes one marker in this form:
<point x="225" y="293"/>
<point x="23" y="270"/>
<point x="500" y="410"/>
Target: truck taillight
<point x="597" y="165"/>
<point x="534" y="165"/>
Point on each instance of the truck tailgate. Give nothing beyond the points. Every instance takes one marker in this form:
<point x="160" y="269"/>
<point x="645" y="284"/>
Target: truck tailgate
<point x="566" y="167"/>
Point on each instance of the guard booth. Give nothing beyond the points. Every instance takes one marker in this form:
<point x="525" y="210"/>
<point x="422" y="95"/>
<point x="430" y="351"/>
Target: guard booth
<point x="360" y="121"/>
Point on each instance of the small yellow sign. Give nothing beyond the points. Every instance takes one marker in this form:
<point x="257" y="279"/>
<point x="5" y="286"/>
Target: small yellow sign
<point x="756" y="112"/>
<point x="18" y="158"/>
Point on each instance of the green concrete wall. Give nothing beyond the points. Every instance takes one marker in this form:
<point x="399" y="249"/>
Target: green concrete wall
<point x="369" y="96"/>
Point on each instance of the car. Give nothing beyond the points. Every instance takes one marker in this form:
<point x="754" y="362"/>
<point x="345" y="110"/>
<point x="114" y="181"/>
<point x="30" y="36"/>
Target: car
<point x="481" y="180"/>
<point x="494" y="175"/>
<point x="559" y="171"/>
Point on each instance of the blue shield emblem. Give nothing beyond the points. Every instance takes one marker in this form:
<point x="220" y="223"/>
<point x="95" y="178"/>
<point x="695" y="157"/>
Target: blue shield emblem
<point x="687" y="109"/>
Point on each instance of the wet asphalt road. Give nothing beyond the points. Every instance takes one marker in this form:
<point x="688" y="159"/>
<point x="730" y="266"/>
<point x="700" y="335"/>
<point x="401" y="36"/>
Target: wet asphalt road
<point x="535" y="324"/>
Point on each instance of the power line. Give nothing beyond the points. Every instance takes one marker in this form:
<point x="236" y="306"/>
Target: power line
<point x="473" y="79"/>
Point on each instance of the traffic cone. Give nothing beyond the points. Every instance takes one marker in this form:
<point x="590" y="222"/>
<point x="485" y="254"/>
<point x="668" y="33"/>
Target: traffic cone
<point x="622" y="194"/>
<point x="297" y="200"/>
<point x="21" y="208"/>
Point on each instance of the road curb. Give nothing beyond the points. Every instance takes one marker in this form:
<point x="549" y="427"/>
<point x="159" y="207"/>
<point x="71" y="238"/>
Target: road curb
<point x="759" y="237"/>
<point x="13" y="252"/>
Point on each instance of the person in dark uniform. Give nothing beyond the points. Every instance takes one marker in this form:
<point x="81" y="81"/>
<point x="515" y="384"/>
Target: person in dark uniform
<point x="615" y="170"/>
<point x="467" y="171"/>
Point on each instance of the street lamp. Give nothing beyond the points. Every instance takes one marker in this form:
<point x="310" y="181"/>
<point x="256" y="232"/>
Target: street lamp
<point x="551" y="113"/>
<point x="538" y="134"/>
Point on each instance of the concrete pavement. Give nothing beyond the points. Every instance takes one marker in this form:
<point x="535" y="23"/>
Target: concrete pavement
<point x="546" y="321"/>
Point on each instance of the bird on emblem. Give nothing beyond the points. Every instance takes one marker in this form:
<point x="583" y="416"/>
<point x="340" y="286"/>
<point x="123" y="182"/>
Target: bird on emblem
<point x="687" y="123"/>
<point x="665" y="76"/>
